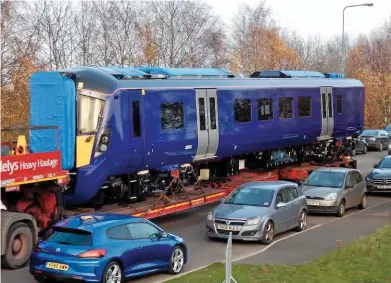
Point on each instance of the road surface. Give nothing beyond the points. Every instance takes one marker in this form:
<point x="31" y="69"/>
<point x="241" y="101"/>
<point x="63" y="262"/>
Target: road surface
<point x="190" y="225"/>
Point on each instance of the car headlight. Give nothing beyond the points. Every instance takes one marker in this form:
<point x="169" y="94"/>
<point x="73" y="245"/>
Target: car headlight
<point x="389" y="146"/>
<point x="210" y="216"/>
<point x="332" y="196"/>
<point x="253" y="221"/>
<point x="368" y="179"/>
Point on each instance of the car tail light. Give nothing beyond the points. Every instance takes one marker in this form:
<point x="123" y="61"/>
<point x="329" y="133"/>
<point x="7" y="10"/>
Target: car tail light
<point x="36" y="248"/>
<point x="93" y="254"/>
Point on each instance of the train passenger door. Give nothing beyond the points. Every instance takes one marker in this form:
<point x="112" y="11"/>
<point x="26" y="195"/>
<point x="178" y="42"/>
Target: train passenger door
<point x="207" y="123"/>
<point x="327" y="112"/>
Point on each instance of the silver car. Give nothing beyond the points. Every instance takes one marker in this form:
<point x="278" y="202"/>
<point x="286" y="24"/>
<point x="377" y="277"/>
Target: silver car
<point x="257" y="211"/>
<point x="333" y="190"/>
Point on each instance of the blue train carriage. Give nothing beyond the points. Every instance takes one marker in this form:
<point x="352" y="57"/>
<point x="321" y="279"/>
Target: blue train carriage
<point x="123" y="130"/>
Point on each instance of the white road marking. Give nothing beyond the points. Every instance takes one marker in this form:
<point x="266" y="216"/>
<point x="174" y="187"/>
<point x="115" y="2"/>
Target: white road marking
<point x="279" y="240"/>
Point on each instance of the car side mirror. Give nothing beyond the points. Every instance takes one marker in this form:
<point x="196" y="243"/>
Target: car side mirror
<point x="374" y="165"/>
<point x="163" y="234"/>
<point x="281" y="204"/>
<point x="222" y="200"/>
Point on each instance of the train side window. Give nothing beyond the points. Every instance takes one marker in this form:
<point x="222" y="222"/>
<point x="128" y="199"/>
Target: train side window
<point x="286" y="107"/>
<point x="339" y="104"/>
<point x="172" y="115"/>
<point x="304" y="104"/>
<point x="201" y="108"/>
<point x="265" y="109"/>
<point x="242" y="110"/>
<point x="212" y="110"/>
<point x="136" y="118"/>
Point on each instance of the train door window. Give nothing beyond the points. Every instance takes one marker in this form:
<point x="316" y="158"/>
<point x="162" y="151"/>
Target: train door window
<point x="324" y="105"/>
<point x="330" y="106"/>
<point x="172" y="115"/>
<point x="242" y="110"/>
<point x="286" y="107"/>
<point x="136" y="118"/>
<point x="212" y="111"/>
<point x="265" y="109"/>
<point x="304" y="104"/>
<point x="339" y="103"/>
<point x="201" y="113"/>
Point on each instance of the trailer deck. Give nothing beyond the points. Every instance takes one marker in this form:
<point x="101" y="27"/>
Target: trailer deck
<point x="209" y="192"/>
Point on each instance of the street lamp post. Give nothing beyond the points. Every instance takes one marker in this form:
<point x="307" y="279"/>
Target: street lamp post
<point x="342" y="67"/>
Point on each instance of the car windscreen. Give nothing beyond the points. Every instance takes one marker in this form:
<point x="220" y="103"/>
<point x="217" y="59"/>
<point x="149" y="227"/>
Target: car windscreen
<point x="385" y="164"/>
<point x="253" y="196"/>
<point x="67" y="236"/>
<point x="369" y="133"/>
<point x="388" y="128"/>
<point x="327" y="179"/>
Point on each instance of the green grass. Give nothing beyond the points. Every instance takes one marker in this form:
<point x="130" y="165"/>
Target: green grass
<point x="363" y="261"/>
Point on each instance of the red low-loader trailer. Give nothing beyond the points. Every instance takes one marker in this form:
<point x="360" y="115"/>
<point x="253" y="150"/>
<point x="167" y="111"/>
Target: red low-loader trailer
<point x="33" y="183"/>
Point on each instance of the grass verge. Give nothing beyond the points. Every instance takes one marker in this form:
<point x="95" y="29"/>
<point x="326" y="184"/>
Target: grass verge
<point x="365" y="260"/>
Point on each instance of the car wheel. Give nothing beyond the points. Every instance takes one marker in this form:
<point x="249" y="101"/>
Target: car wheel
<point x="365" y="150"/>
<point x="353" y="152"/>
<point x="113" y="273"/>
<point x="302" y="222"/>
<point x="41" y="280"/>
<point x="177" y="261"/>
<point x="19" y="247"/>
<point x="363" y="203"/>
<point x="381" y="146"/>
<point x="268" y="233"/>
<point x="341" y="209"/>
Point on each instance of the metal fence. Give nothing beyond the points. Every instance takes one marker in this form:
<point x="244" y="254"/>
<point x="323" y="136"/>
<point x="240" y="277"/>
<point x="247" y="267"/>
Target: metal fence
<point x="228" y="261"/>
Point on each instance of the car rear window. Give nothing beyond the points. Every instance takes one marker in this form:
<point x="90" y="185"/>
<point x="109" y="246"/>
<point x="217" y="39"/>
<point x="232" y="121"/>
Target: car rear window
<point x="66" y="236"/>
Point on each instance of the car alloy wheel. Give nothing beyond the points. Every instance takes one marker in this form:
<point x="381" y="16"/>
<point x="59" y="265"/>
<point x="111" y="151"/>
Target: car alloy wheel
<point x="302" y="221"/>
<point x="113" y="273"/>
<point x="381" y="147"/>
<point x="365" y="149"/>
<point x="363" y="203"/>
<point x="341" y="209"/>
<point x="177" y="261"/>
<point x="268" y="233"/>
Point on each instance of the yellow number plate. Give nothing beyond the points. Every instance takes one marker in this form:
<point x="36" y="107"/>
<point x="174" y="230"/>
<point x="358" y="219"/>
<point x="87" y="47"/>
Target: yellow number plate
<point x="57" y="266"/>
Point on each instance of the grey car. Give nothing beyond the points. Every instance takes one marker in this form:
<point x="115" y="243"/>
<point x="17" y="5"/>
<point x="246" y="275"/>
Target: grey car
<point x="334" y="190"/>
<point x="257" y="211"/>
<point x="378" y="139"/>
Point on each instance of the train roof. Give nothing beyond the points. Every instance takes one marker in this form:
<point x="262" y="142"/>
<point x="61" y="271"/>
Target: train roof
<point x="286" y="74"/>
<point x="109" y="79"/>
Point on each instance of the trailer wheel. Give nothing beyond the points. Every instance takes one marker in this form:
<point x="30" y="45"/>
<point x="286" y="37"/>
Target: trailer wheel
<point x="19" y="247"/>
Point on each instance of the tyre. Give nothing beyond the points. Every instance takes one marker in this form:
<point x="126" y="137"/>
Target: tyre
<point x="381" y="146"/>
<point x="302" y="221"/>
<point x="365" y="150"/>
<point x="341" y="209"/>
<point x="177" y="261"/>
<point x="268" y="233"/>
<point x="19" y="246"/>
<point x="41" y="280"/>
<point x="363" y="203"/>
<point x="353" y="153"/>
<point x="113" y="273"/>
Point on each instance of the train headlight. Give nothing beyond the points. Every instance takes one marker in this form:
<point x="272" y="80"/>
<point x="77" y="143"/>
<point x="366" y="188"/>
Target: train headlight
<point x="103" y="147"/>
<point x="105" y="139"/>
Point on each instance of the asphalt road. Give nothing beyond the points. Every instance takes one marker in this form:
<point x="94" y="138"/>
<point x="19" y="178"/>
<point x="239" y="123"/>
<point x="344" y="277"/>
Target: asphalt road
<point x="309" y="244"/>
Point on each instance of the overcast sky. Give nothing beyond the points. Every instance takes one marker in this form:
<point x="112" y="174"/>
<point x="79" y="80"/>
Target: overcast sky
<point x="311" y="17"/>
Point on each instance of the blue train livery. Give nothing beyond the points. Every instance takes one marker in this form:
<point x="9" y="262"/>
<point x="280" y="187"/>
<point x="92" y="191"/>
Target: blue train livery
<point x="125" y="129"/>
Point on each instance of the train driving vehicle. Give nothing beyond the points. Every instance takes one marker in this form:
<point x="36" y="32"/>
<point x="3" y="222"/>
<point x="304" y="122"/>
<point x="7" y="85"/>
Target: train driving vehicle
<point x="123" y="131"/>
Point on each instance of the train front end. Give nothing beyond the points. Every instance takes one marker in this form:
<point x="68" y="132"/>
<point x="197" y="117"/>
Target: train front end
<point x="61" y="99"/>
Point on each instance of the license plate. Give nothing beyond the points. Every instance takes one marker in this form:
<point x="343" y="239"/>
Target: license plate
<point x="384" y="187"/>
<point x="228" y="227"/>
<point x="57" y="266"/>
<point x="311" y="202"/>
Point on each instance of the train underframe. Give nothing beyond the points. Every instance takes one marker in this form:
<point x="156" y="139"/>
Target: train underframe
<point x="136" y="187"/>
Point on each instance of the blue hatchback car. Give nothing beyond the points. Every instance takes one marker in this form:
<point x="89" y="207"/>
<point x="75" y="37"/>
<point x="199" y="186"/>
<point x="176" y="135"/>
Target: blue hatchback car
<point x="105" y="248"/>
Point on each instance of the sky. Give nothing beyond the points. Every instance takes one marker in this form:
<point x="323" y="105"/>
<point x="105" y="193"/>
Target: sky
<point x="313" y="17"/>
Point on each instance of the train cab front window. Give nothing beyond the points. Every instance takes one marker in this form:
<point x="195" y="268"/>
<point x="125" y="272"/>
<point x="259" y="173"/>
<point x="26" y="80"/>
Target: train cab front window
<point x="89" y="110"/>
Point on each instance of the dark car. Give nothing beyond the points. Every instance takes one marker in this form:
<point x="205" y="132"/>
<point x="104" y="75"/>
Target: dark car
<point x="378" y="139"/>
<point x="379" y="180"/>
<point x="105" y="248"/>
